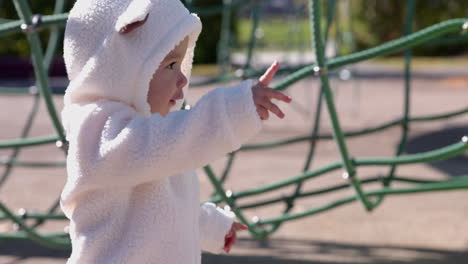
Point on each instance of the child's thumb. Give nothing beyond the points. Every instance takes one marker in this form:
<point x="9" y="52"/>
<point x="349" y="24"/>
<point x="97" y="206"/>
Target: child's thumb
<point x="240" y="226"/>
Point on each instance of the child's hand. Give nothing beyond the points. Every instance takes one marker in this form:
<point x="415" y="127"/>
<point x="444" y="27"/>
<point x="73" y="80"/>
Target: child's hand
<point x="262" y="94"/>
<point x="230" y="238"/>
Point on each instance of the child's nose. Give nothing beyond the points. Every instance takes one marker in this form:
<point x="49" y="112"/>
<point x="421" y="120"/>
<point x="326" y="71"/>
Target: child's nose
<point x="182" y="81"/>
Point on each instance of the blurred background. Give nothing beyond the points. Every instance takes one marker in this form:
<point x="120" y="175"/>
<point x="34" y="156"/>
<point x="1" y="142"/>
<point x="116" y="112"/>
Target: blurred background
<point x="405" y="229"/>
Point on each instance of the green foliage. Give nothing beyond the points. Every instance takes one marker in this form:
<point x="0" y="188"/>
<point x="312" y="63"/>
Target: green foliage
<point x="16" y="44"/>
<point x="207" y="44"/>
<point x="373" y="22"/>
<point x="377" y="21"/>
<point x="273" y="34"/>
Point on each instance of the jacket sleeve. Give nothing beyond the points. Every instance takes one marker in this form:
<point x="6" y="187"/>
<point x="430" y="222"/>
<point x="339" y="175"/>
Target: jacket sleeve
<point x="215" y="223"/>
<point x="112" y="146"/>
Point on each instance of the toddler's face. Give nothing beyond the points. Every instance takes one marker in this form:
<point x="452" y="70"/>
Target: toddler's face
<point x="168" y="81"/>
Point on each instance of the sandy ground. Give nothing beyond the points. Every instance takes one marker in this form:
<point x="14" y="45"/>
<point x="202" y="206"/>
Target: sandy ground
<point x="416" y="228"/>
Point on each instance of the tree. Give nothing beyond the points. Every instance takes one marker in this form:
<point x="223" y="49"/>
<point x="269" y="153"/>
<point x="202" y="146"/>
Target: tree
<point x="379" y="21"/>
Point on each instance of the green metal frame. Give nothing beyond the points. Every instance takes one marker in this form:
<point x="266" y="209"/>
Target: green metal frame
<point x="259" y="228"/>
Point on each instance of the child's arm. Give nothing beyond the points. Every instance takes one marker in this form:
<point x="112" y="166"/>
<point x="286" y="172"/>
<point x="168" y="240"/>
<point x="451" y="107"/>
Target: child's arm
<point x="217" y="229"/>
<point x="110" y="145"/>
<point x="215" y="223"/>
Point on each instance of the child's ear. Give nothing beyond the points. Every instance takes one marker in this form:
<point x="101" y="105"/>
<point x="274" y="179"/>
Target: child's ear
<point x="134" y="16"/>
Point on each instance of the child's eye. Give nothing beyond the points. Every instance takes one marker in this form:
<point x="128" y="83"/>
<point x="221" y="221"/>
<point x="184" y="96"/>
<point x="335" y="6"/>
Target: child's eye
<point x="171" y="66"/>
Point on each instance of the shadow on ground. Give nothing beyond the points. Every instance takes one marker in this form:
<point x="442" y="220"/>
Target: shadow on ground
<point x="22" y="249"/>
<point x="276" y="251"/>
<point x="456" y="166"/>
<point x="308" y="251"/>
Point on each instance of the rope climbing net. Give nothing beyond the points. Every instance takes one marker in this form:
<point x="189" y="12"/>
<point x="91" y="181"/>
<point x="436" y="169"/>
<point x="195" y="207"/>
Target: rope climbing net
<point x="30" y="24"/>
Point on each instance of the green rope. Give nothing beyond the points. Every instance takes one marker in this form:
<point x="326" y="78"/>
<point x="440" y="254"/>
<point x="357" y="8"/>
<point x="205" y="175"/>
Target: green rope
<point x="29" y="142"/>
<point x="224" y="42"/>
<point x="450" y="185"/>
<point x="253" y="34"/>
<point x="324" y="191"/>
<point x="316" y="127"/>
<point x="47" y="21"/>
<point x="37" y="57"/>
<point x="410" y="10"/>
<point x="337" y="132"/>
<point x="362" y="132"/>
<point x="53" y="42"/>
<point x="430" y="156"/>
<point x="453" y="25"/>
<point x="11" y="160"/>
<point x="30" y="233"/>
<point x="41" y="67"/>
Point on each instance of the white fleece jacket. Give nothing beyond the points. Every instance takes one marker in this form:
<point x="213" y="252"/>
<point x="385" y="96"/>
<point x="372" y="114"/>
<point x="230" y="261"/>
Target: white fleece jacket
<point x="131" y="193"/>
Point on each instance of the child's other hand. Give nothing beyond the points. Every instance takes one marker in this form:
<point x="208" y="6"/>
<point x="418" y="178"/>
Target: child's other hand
<point x="262" y="94"/>
<point x="231" y="238"/>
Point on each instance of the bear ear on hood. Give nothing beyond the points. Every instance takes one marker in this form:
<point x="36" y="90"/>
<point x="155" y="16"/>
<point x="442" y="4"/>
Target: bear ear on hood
<point x="130" y="27"/>
<point x="134" y="16"/>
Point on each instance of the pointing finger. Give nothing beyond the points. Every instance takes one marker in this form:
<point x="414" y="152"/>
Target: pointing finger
<point x="269" y="74"/>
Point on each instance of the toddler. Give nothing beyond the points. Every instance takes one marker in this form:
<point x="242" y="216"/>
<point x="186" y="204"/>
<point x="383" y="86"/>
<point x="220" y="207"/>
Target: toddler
<point x="132" y="195"/>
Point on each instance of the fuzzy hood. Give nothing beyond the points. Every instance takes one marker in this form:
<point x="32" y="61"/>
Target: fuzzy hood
<point x="103" y="64"/>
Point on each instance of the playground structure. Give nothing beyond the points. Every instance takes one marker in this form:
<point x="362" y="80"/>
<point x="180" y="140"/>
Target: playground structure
<point x="321" y="69"/>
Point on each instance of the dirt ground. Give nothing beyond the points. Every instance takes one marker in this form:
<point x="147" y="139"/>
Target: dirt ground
<point x="413" y="228"/>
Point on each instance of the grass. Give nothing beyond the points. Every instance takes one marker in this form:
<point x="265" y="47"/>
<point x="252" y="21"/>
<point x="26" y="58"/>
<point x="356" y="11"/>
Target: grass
<point x="422" y="63"/>
<point x="205" y="69"/>
<point x="396" y="63"/>
<point x="279" y="35"/>
<point x="275" y="34"/>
